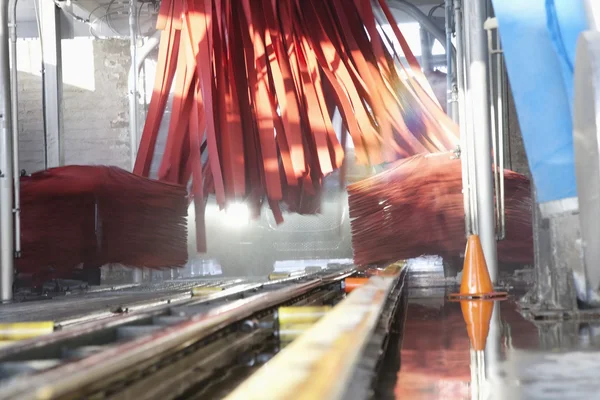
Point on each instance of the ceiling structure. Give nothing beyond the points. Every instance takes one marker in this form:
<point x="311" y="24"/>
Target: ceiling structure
<point x="109" y="18"/>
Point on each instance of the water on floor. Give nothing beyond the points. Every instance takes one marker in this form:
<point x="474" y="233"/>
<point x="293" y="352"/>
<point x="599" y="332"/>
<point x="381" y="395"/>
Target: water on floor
<point x="520" y="359"/>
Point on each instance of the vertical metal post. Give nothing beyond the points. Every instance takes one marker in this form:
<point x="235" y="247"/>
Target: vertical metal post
<point x="480" y="106"/>
<point x="138" y="274"/>
<point x="451" y="89"/>
<point x="6" y="166"/>
<point x="498" y="93"/>
<point x="468" y="123"/>
<point x="14" y="100"/>
<point x="141" y="54"/>
<point x="50" y="38"/>
<point x="425" y="50"/>
<point x="133" y="84"/>
<point x="460" y="83"/>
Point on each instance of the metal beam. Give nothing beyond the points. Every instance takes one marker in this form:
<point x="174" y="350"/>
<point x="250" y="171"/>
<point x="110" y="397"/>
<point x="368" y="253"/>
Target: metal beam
<point x="475" y="15"/>
<point x="52" y="83"/>
<point x="6" y="160"/>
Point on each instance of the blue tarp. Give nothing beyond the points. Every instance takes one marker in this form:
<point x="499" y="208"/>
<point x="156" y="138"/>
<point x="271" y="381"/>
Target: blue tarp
<point x="539" y="39"/>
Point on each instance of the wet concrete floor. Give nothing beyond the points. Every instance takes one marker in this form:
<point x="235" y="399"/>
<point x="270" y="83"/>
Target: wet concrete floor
<point x="520" y="359"/>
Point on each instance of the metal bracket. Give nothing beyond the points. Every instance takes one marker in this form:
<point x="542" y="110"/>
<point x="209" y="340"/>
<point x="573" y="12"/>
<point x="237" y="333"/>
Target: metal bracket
<point x="457" y="153"/>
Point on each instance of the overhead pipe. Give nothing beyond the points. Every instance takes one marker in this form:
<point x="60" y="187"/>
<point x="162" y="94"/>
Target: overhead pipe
<point x="424" y="20"/>
<point x="15" y="126"/>
<point x="480" y="105"/>
<point x="137" y="63"/>
<point x="6" y="167"/>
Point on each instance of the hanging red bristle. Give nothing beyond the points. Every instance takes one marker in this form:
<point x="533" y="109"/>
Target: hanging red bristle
<point x="416" y="208"/>
<point x="259" y="74"/>
<point x="98" y="215"/>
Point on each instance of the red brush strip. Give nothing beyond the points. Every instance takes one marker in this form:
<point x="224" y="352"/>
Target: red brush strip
<point x="259" y="80"/>
<point x="98" y="215"/>
<point x="416" y="208"/>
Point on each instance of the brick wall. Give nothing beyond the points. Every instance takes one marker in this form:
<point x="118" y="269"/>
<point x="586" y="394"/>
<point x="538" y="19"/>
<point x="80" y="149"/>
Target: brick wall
<point x="95" y="117"/>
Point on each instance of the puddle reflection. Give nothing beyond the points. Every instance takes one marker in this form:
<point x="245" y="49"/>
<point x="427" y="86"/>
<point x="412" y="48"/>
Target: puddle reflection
<point x="520" y="359"/>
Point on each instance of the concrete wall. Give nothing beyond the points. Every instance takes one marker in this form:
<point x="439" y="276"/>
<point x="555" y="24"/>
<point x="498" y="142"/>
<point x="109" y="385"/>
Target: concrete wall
<point x="95" y="117"/>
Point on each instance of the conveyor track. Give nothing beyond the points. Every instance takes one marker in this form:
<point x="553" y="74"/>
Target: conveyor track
<point x="162" y="352"/>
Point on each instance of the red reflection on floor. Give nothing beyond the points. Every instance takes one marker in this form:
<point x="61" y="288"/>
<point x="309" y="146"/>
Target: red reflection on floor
<point x="435" y="358"/>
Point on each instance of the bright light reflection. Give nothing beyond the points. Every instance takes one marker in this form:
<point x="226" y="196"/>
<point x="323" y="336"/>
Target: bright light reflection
<point x="236" y="215"/>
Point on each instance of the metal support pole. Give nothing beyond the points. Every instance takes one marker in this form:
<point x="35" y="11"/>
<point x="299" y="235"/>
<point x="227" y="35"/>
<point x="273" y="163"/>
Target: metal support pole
<point x="133" y="84"/>
<point x="133" y="78"/>
<point x="138" y="273"/>
<point x="451" y="89"/>
<point x="497" y="90"/>
<point x="15" y="125"/>
<point x="462" y="115"/>
<point x="468" y="124"/>
<point x="480" y="106"/>
<point x="52" y="81"/>
<point x="425" y="50"/>
<point x="6" y="164"/>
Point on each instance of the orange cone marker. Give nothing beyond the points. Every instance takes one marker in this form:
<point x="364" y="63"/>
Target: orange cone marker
<point x="476" y="282"/>
<point x="477" y="315"/>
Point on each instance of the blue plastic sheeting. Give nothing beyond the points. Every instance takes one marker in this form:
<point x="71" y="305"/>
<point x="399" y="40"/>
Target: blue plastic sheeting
<point x="537" y="73"/>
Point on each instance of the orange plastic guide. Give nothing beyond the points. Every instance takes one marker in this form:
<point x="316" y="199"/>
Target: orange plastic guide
<point x="476" y="282"/>
<point x="354" y="283"/>
<point x="477" y="314"/>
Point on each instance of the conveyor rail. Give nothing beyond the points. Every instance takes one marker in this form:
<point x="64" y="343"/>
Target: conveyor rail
<point x="172" y="347"/>
<point x="338" y="357"/>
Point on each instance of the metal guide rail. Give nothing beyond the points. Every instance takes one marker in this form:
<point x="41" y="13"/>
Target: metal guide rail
<point x="104" y="302"/>
<point x="338" y="357"/>
<point x="164" y="352"/>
